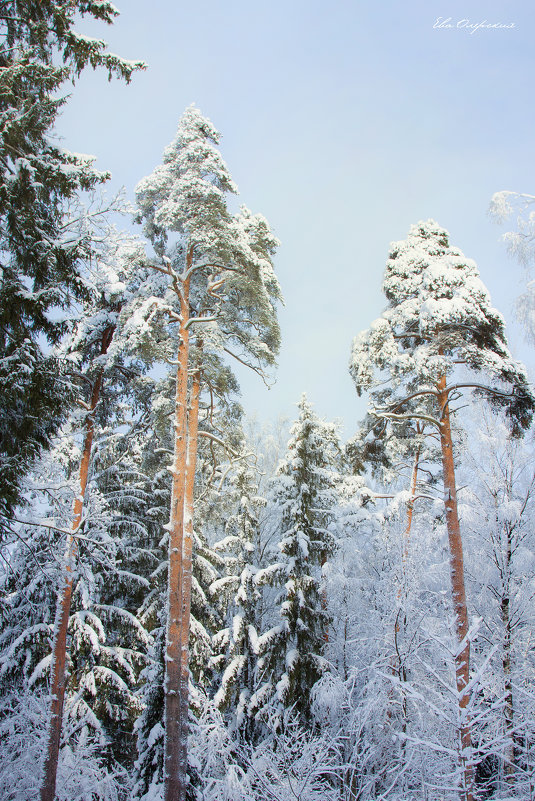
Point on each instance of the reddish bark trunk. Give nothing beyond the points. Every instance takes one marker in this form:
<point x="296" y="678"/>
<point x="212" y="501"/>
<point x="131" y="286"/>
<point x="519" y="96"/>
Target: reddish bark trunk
<point x="175" y="768"/>
<point x="462" y="659"/>
<point x="58" y="676"/>
<point x="193" y="420"/>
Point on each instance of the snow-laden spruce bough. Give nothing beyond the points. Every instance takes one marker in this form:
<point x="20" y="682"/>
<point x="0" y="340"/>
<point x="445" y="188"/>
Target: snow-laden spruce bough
<point x="232" y="625"/>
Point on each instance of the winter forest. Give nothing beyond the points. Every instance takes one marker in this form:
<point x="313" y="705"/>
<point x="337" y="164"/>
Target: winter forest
<point x="196" y="605"/>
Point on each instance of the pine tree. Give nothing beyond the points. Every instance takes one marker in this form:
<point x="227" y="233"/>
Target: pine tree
<point x="94" y="337"/>
<point x="207" y="564"/>
<point x="100" y="576"/>
<point x="291" y="653"/>
<point x="219" y="281"/>
<point x="107" y="646"/>
<point x="438" y="318"/>
<point x="43" y="240"/>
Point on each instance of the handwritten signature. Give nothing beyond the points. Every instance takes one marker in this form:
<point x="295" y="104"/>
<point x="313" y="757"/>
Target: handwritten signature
<point x="469" y="26"/>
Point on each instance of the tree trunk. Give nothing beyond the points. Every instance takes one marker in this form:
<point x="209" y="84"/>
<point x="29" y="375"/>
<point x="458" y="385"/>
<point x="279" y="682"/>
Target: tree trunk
<point x="58" y="676"/>
<point x="175" y="767"/>
<point x="410" y="509"/>
<point x="462" y="658"/>
<point x="324" y="600"/>
<point x="397" y="665"/>
<point x="402" y="588"/>
<point x="505" y="607"/>
<point x="187" y="558"/>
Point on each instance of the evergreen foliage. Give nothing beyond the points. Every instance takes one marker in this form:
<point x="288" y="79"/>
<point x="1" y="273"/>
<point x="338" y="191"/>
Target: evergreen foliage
<point x="243" y="604"/>
<point x="291" y="653"/>
<point x="439" y="316"/>
<point x="289" y="628"/>
<point x="44" y="240"/>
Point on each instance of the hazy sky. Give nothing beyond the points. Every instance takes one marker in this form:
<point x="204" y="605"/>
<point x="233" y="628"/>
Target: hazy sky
<point x="342" y="123"/>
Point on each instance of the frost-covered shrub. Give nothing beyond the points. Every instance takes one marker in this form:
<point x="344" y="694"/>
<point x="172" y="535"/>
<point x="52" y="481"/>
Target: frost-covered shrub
<point x="83" y="773"/>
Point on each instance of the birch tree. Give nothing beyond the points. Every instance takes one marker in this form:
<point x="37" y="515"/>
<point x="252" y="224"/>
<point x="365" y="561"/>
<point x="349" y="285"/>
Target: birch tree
<point x="439" y="318"/>
<point x="499" y="504"/>
<point x="520" y="244"/>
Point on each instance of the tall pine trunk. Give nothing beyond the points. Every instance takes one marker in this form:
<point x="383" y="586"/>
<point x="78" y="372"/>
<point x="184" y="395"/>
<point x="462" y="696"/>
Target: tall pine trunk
<point x="193" y="420"/>
<point x="175" y="766"/>
<point x="58" y="678"/>
<point x="462" y="657"/>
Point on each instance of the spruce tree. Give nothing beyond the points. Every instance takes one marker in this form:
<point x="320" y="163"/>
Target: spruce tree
<point x="291" y="652"/>
<point x="240" y="546"/>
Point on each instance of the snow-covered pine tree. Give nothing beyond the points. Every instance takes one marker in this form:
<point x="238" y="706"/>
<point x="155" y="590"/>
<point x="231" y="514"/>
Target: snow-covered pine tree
<point x="291" y="652"/>
<point x="440" y="318"/>
<point x="107" y="645"/>
<point x="207" y="564"/>
<point x="219" y="281"/>
<point x="112" y="288"/>
<point x="43" y="240"/>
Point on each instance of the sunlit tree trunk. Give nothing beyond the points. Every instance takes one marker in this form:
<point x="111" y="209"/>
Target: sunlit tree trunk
<point x="187" y="557"/>
<point x="462" y="658"/>
<point x="175" y="768"/>
<point x="58" y="677"/>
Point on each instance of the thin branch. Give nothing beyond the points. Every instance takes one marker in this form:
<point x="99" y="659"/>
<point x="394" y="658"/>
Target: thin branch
<point x="257" y="370"/>
<point x="397" y="404"/>
<point x="213" y="438"/>
<point x="392" y="416"/>
<point x="490" y="390"/>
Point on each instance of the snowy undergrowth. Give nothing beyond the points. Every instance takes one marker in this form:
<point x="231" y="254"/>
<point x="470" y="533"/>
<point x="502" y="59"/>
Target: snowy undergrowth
<point x="82" y="775"/>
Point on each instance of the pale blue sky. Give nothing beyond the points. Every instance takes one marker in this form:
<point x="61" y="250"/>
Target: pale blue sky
<point x="343" y="124"/>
